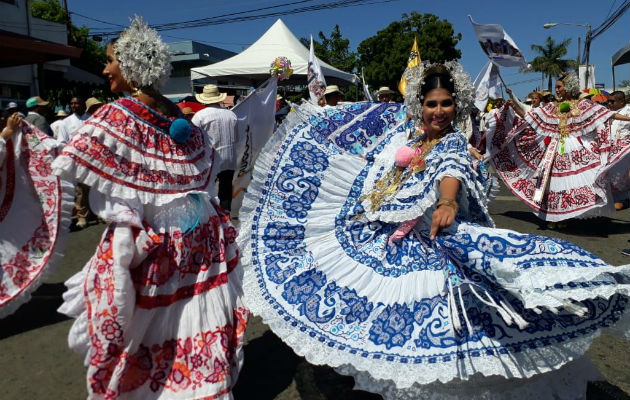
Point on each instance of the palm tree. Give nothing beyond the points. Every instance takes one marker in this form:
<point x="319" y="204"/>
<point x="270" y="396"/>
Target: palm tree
<point x="550" y="62"/>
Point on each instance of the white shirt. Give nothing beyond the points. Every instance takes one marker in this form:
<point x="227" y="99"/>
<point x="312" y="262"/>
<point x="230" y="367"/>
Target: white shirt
<point x="220" y="125"/>
<point x="70" y="125"/>
<point x="56" y="127"/>
<point x="621" y="128"/>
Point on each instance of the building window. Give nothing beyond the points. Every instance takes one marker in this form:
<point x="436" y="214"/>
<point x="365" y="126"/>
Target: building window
<point x="14" y="92"/>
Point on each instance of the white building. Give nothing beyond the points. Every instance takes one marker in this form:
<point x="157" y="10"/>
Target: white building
<point x="31" y="47"/>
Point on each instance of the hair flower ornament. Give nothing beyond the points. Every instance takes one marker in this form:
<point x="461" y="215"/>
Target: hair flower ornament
<point x="145" y="60"/>
<point x="281" y="68"/>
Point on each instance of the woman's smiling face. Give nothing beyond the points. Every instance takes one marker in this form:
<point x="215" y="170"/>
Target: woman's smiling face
<point x="438" y="110"/>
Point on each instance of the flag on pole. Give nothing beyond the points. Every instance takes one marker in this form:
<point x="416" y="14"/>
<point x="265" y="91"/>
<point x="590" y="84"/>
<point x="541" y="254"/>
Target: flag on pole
<point x="413" y="61"/>
<point x="487" y="84"/>
<point x="256" y="122"/>
<point x="498" y="45"/>
<point x="366" y="91"/>
<point x="315" y="77"/>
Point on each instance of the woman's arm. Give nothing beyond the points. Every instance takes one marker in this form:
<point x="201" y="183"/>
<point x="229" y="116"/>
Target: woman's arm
<point x="447" y="207"/>
<point x="621" y="117"/>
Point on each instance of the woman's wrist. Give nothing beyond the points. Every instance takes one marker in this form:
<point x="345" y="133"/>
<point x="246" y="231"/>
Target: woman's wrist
<point x="6" y="133"/>
<point x="449" y="203"/>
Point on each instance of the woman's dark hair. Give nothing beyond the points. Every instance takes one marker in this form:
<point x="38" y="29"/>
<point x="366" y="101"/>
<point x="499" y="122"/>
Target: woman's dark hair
<point x="437" y="80"/>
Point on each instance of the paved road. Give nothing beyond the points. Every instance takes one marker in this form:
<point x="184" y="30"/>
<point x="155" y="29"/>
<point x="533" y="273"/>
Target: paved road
<point x="35" y="362"/>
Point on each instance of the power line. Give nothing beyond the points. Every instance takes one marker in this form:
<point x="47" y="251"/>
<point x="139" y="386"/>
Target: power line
<point x="238" y="17"/>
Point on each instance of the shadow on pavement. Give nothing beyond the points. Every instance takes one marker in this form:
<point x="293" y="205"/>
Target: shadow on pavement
<point x="327" y="384"/>
<point x="268" y="369"/>
<point x="41" y="310"/>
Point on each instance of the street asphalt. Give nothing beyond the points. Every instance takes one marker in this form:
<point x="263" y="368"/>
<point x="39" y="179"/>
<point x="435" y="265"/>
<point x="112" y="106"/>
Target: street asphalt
<point x="35" y="361"/>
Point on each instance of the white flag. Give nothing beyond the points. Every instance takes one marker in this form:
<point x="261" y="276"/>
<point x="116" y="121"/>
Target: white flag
<point x="498" y="45"/>
<point x="314" y="76"/>
<point x="366" y="90"/>
<point x="487" y="84"/>
<point x="256" y="122"/>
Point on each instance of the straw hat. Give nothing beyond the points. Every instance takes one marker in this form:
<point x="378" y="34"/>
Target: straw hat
<point x="384" y="90"/>
<point x="332" y="89"/>
<point x="61" y="113"/>
<point x="91" y="102"/>
<point x="210" y="95"/>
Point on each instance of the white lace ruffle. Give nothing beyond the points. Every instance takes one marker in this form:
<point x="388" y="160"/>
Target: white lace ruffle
<point x="592" y="118"/>
<point x="567" y="383"/>
<point x="112" y="181"/>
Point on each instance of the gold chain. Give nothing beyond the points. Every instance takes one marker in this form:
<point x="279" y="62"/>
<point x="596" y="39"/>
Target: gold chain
<point x="388" y="185"/>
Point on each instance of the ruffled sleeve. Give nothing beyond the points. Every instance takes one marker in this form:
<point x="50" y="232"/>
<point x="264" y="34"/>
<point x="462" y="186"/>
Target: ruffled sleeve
<point x="421" y="191"/>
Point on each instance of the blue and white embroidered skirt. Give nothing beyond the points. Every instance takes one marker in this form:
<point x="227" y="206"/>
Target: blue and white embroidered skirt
<point x="476" y="302"/>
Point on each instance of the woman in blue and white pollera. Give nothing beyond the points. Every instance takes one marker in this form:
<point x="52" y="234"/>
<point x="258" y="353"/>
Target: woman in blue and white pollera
<point x="369" y="248"/>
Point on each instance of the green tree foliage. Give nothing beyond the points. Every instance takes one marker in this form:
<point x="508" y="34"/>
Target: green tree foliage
<point x="93" y="55"/>
<point x="550" y="61"/>
<point x="384" y="56"/>
<point x="334" y="50"/>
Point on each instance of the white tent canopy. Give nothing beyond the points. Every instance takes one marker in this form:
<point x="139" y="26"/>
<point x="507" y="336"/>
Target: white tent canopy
<point x="252" y="65"/>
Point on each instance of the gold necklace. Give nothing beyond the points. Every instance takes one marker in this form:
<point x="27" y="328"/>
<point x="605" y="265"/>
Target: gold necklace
<point x="563" y="118"/>
<point x="388" y="185"/>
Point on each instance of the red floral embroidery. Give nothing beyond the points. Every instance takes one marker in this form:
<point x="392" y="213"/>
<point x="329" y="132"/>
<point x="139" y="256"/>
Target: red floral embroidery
<point x="24" y="267"/>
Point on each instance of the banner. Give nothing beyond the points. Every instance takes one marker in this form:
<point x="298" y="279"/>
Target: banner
<point x="413" y="61"/>
<point x="366" y="90"/>
<point x="487" y="84"/>
<point x="498" y="45"/>
<point x="591" y="77"/>
<point x="256" y="123"/>
<point x="315" y="77"/>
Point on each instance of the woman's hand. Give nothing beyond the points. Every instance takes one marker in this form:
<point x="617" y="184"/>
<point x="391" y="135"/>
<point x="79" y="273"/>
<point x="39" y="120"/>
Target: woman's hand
<point x="13" y="123"/>
<point x="443" y="217"/>
<point x="475" y="153"/>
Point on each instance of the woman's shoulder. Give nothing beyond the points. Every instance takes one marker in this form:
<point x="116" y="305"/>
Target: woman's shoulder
<point x="455" y="140"/>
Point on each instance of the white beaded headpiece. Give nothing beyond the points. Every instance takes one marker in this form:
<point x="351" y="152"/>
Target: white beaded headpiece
<point x="571" y="84"/>
<point x="464" y="94"/>
<point x="145" y="60"/>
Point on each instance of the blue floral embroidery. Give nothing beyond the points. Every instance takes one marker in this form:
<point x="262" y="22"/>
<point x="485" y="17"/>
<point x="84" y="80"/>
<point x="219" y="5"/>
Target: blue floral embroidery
<point x="393" y="326"/>
<point x="302" y="290"/>
<point x="310" y="158"/>
<point x="281" y="236"/>
<point x="356" y="309"/>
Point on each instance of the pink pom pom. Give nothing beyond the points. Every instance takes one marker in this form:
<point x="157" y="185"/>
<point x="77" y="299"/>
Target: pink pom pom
<point x="404" y="156"/>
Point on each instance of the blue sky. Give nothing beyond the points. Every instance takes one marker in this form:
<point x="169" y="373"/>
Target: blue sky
<point x="523" y="21"/>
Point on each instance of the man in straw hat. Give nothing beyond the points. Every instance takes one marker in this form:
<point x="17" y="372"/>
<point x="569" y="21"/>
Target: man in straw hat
<point x="333" y="95"/>
<point x="92" y="105"/>
<point x="56" y="126"/>
<point x="220" y="125"/>
<point x="384" y="94"/>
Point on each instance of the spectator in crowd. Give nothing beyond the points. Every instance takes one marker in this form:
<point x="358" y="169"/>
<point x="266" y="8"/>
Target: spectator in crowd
<point x="384" y="94"/>
<point x="92" y="105"/>
<point x="74" y="121"/>
<point x="333" y="95"/>
<point x="37" y="110"/>
<point x="56" y="126"/>
<point x="220" y="125"/>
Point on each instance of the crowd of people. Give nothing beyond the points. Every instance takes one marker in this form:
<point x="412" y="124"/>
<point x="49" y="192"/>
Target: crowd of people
<point x="365" y="240"/>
